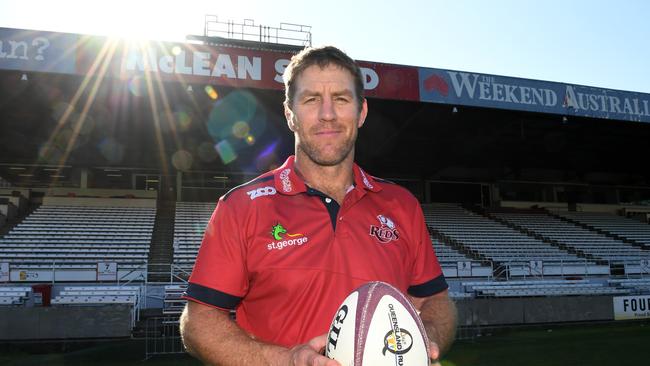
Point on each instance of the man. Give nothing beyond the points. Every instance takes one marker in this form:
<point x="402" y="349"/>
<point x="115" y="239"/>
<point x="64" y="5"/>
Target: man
<point x="285" y="249"/>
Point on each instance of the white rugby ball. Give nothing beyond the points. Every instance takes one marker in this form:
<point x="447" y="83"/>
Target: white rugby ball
<point x="377" y="325"/>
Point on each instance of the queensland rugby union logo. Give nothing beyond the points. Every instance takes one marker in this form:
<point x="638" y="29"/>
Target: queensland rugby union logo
<point x="386" y="232"/>
<point x="398" y="340"/>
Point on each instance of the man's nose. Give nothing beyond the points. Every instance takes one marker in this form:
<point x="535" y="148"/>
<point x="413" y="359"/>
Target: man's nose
<point x="327" y="112"/>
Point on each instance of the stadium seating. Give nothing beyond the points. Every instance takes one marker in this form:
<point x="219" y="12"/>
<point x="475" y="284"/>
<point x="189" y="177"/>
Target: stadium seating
<point x="587" y="241"/>
<point x="500" y="243"/>
<point x="457" y="264"/>
<point x="614" y="224"/>
<point x="101" y="295"/>
<point x="173" y="304"/>
<point x="189" y="226"/>
<point x="637" y="285"/>
<point x="14" y="295"/>
<point x="558" y="287"/>
<point x="76" y="238"/>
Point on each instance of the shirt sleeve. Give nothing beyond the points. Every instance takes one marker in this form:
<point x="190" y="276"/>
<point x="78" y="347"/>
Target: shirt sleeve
<point x="219" y="277"/>
<point x="427" y="278"/>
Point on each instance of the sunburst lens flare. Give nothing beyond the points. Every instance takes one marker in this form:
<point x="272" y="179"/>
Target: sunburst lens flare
<point x="136" y="86"/>
<point x="111" y="150"/>
<point x="183" y="119"/>
<point x="211" y="92"/>
<point x="225" y="151"/>
<point x="250" y="139"/>
<point x="182" y="160"/>
<point x="241" y="129"/>
<point x="206" y="152"/>
<point x="59" y="110"/>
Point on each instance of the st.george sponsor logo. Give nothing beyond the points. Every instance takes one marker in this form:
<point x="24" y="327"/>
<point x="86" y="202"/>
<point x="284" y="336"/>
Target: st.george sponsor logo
<point x="386" y="232"/>
<point x="277" y="232"/>
<point x="259" y="192"/>
<point x="397" y="341"/>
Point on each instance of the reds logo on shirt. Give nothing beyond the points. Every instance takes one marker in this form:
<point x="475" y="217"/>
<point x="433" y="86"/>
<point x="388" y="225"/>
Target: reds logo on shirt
<point x="386" y="232"/>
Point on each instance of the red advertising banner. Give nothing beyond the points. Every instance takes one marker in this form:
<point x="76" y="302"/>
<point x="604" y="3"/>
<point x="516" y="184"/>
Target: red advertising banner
<point x="220" y="65"/>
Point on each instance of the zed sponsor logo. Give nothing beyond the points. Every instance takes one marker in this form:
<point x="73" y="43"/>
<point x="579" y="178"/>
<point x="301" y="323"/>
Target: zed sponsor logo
<point x="259" y="192"/>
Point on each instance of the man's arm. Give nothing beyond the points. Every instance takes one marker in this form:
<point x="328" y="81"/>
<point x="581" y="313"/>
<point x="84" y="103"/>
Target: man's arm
<point x="439" y="317"/>
<point x="211" y="336"/>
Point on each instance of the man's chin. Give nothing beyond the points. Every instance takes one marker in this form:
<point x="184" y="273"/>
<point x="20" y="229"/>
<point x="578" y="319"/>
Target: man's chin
<point x="328" y="160"/>
<point x="326" y="155"/>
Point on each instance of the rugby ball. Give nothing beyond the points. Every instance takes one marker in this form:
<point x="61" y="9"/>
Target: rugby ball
<point x="377" y="325"/>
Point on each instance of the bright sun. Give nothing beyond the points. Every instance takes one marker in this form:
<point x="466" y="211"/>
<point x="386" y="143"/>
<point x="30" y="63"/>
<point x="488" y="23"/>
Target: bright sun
<point x="145" y="20"/>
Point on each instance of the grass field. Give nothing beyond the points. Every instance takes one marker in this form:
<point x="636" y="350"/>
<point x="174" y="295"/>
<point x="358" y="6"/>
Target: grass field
<point x="615" y="344"/>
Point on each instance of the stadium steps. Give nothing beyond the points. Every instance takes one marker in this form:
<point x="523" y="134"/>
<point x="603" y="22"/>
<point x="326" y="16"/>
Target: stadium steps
<point x="459" y="246"/>
<point x="599" y="231"/>
<point x="141" y="330"/>
<point x="533" y="234"/>
<point x="161" y="250"/>
<point x="12" y="223"/>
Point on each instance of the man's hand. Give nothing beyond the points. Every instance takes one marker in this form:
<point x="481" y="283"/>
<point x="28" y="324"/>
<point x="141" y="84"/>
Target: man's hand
<point x="434" y="351"/>
<point x="210" y="335"/>
<point x="438" y="314"/>
<point x="310" y="354"/>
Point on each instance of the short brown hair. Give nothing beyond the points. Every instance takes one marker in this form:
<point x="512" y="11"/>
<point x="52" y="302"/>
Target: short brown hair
<point x="321" y="56"/>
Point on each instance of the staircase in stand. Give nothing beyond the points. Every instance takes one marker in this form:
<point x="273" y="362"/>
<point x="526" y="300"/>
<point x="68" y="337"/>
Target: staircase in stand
<point x="161" y="251"/>
<point x="12" y="223"/>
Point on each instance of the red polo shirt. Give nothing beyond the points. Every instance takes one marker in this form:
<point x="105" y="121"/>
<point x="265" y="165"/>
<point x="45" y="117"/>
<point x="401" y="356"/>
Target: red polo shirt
<point x="285" y="255"/>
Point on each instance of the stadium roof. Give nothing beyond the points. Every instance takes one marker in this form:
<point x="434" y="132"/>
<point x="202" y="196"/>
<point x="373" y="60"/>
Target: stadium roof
<point x="423" y="122"/>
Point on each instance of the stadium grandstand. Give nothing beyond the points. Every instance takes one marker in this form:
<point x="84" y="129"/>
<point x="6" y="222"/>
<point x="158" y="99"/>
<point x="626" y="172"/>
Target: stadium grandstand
<point x="113" y="156"/>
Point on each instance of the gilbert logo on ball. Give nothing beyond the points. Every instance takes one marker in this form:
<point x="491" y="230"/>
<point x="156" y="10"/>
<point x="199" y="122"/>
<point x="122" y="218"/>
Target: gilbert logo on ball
<point x="377" y="325"/>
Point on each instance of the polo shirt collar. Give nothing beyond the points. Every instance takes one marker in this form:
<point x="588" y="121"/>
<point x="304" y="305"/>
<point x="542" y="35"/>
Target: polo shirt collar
<point x="288" y="182"/>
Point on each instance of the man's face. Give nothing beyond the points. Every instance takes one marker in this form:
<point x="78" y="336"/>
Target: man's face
<point x="325" y="115"/>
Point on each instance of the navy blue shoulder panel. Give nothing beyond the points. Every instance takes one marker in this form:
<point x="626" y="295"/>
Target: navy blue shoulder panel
<point x="254" y="181"/>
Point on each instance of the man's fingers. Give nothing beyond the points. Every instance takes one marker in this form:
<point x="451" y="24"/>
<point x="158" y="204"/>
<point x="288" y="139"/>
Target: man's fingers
<point x="318" y="343"/>
<point x="324" y="361"/>
<point x="434" y="351"/>
<point x="309" y="354"/>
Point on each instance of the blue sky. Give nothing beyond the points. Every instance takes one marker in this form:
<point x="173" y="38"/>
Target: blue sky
<point x="589" y="42"/>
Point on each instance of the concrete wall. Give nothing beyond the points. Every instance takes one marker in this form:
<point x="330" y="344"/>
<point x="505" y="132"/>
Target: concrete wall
<point x="534" y="310"/>
<point x="66" y="322"/>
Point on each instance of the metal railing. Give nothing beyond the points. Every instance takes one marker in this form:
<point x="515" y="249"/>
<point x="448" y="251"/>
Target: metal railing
<point x="287" y="33"/>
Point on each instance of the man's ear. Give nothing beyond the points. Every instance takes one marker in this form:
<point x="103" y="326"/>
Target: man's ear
<point x="363" y="114"/>
<point x="288" y="114"/>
